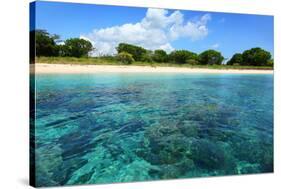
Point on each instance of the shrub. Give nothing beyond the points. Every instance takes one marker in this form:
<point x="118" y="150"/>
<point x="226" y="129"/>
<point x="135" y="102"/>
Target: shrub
<point x="125" y="58"/>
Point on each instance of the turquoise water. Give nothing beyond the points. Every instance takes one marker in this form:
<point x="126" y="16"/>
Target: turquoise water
<point x="108" y="128"/>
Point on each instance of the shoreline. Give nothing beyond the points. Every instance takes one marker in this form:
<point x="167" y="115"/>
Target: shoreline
<point x="44" y="68"/>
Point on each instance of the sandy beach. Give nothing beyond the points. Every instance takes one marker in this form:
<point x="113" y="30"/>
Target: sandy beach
<point x="42" y="68"/>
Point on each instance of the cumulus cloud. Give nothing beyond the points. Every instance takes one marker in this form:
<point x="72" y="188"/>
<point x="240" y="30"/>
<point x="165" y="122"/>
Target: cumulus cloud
<point x="60" y="43"/>
<point x="215" y="46"/>
<point x="156" y="30"/>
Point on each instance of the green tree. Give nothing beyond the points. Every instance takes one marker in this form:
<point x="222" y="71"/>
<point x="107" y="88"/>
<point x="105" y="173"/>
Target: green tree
<point x="125" y="58"/>
<point x="236" y="59"/>
<point x="192" y="61"/>
<point x="136" y="51"/>
<point x="160" y="56"/>
<point x="76" y="47"/>
<point x="210" y="57"/>
<point x="45" y="44"/>
<point x="62" y="49"/>
<point x="256" y="57"/>
<point x="147" y="56"/>
<point x="270" y="63"/>
<point x="182" y="56"/>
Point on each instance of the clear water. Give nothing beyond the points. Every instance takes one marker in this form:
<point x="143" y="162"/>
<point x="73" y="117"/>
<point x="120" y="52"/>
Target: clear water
<point x="108" y="128"/>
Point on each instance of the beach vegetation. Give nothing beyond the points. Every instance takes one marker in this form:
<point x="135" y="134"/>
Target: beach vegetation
<point x="210" y="57"/>
<point x="270" y="63"/>
<point x="160" y="55"/>
<point x="76" y="47"/>
<point x="136" y="51"/>
<point x="182" y="56"/>
<point x="45" y="43"/>
<point x="125" y="58"/>
<point x="237" y="59"/>
<point x="147" y="56"/>
<point x="256" y="57"/>
<point x="192" y="62"/>
<point x="112" y="60"/>
<point x="252" y="57"/>
<point x="50" y="49"/>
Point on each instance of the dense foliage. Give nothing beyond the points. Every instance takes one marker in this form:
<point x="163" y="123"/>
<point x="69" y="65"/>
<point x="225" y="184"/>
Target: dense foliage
<point x="252" y="57"/>
<point x="237" y="59"/>
<point x="160" y="56"/>
<point x="76" y="47"/>
<point x="256" y="57"/>
<point x="210" y="57"/>
<point x="136" y="51"/>
<point x="125" y="58"/>
<point x="45" y="44"/>
<point x="147" y="56"/>
<point x="270" y="63"/>
<point x="182" y="56"/>
<point x="192" y="61"/>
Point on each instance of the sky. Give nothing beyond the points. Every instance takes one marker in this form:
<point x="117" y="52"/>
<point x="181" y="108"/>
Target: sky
<point x="107" y="26"/>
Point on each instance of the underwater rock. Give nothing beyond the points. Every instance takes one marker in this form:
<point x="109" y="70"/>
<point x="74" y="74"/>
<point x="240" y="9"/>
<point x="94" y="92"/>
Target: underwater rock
<point x="170" y="172"/>
<point x="134" y="125"/>
<point x="188" y="128"/>
<point x="176" y="170"/>
<point x="168" y="147"/>
<point x="267" y="160"/>
<point x="64" y="172"/>
<point x="95" y="168"/>
<point x="174" y="148"/>
<point x="210" y="155"/>
<point x="138" y="170"/>
<point x="210" y="114"/>
<point x="207" y="154"/>
<point x="48" y="159"/>
<point x="247" y="168"/>
<point x="102" y="168"/>
<point x="44" y="179"/>
<point x="255" y="152"/>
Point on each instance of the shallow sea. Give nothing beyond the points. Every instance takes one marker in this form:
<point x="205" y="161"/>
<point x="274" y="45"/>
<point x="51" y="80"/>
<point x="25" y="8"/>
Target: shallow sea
<point x="104" y="128"/>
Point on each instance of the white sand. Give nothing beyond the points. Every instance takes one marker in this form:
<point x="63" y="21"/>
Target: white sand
<point x="42" y="68"/>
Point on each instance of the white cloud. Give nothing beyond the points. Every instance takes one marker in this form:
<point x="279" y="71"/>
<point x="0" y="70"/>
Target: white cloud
<point x="60" y="43"/>
<point x="156" y="30"/>
<point x="167" y="47"/>
<point x="215" y="46"/>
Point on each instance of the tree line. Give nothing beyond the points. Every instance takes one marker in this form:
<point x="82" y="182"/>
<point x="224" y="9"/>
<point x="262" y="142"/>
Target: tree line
<point x="47" y="45"/>
<point x="252" y="57"/>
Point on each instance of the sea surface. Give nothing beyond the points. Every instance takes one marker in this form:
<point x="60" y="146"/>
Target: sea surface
<point x="104" y="128"/>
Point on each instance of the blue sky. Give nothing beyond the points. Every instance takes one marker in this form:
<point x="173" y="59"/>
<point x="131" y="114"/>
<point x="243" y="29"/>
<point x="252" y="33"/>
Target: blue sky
<point x="106" y="26"/>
